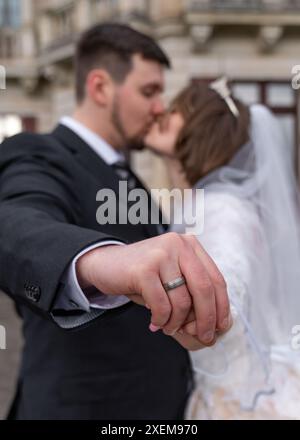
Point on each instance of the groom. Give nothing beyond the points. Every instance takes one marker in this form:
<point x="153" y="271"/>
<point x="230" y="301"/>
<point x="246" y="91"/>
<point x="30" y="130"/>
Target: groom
<point x="92" y="296"/>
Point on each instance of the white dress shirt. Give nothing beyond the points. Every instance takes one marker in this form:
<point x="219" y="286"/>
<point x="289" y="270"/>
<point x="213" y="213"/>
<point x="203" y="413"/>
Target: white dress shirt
<point x="71" y="297"/>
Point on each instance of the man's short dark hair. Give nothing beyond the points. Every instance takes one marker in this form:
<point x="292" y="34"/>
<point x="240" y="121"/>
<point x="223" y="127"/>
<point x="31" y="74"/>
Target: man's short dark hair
<point x="111" y="46"/>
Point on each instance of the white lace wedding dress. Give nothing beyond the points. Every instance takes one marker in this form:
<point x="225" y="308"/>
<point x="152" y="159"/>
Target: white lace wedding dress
<point x="245" y="375"/>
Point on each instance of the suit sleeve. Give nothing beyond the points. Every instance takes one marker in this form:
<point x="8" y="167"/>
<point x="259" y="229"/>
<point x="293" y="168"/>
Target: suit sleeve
<point x="72" y="296"/>
<point x="39" y="217"/>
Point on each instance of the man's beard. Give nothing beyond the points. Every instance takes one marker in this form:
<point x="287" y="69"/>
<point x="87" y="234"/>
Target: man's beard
<point x="133" y="143"/>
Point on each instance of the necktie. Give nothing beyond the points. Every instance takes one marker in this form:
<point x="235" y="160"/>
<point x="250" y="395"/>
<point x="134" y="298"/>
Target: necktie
<point x="124" y="172"/>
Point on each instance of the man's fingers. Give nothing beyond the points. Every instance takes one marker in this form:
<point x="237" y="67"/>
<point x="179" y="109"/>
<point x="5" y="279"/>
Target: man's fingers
<point x="219" y="285"/>
<point x="180" y="299"/>
<point x="138" y="299"/>
<point x="203" y="295"/>
<point x="204" y="291"/>
<point x="157" y="300"/>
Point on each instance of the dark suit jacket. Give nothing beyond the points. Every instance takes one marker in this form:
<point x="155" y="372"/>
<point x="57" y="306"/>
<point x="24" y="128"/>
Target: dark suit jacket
<point x="113" y="367"/>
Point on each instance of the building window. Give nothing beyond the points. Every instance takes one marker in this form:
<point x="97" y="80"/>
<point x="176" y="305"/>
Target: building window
<point x="10" y="13"/>
<point x="245" y="5"/>
<point x="9" y="47"/>
<point x="65" y="23"/>
<point x="62" y="24"/>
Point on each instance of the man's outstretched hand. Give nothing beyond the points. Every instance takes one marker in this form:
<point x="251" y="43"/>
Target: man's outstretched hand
<point x="139" y="270"/>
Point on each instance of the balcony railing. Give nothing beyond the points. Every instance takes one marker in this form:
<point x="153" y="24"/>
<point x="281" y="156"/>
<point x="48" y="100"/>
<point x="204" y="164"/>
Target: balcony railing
<point x="244" y="5"/>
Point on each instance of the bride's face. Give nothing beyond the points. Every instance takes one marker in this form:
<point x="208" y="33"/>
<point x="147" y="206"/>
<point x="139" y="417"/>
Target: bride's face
<point x="163" y="134"/>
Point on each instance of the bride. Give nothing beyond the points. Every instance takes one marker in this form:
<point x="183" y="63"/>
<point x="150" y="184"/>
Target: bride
<point x="238" y="156"/>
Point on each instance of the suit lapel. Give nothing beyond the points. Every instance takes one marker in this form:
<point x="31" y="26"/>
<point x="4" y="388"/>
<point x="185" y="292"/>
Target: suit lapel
<point x="87" y="156"/>
<point x="97" y="167"/>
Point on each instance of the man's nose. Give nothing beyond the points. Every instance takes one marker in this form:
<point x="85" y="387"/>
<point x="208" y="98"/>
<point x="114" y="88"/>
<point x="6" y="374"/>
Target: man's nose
<point x="158" y="107"/>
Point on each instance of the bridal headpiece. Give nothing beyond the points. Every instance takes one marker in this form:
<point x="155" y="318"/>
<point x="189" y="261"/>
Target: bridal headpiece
<point x="221" y="87"/>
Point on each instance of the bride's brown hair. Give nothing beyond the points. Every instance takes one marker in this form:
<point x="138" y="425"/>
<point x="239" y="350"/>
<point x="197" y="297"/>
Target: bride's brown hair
<point x="211" y="134"/>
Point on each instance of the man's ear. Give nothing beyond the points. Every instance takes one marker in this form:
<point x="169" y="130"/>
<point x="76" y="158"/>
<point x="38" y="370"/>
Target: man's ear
<point x="99" y="87"/>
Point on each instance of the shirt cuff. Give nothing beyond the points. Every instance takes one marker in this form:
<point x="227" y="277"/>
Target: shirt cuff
<point x="71" y="297"/>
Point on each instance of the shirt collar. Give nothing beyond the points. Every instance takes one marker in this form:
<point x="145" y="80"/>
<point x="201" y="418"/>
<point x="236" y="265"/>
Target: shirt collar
<point x="96" y="142"/>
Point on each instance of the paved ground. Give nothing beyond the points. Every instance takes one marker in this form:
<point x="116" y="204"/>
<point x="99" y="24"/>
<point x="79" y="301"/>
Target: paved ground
<point x="9" y="358"/>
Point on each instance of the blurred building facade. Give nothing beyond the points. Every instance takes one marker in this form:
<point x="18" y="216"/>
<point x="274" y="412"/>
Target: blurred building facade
<point x="254" y="42"/>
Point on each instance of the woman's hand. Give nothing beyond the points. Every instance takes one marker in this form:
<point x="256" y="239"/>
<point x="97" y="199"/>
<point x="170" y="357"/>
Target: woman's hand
<point x="188" y="342"/>
<point x="187" y="335"/>
<point x="163" y="135"/>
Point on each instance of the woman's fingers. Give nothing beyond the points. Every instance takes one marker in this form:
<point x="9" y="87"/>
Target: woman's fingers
<point x="188" y="342"/>
<point x="223" y="317"/>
